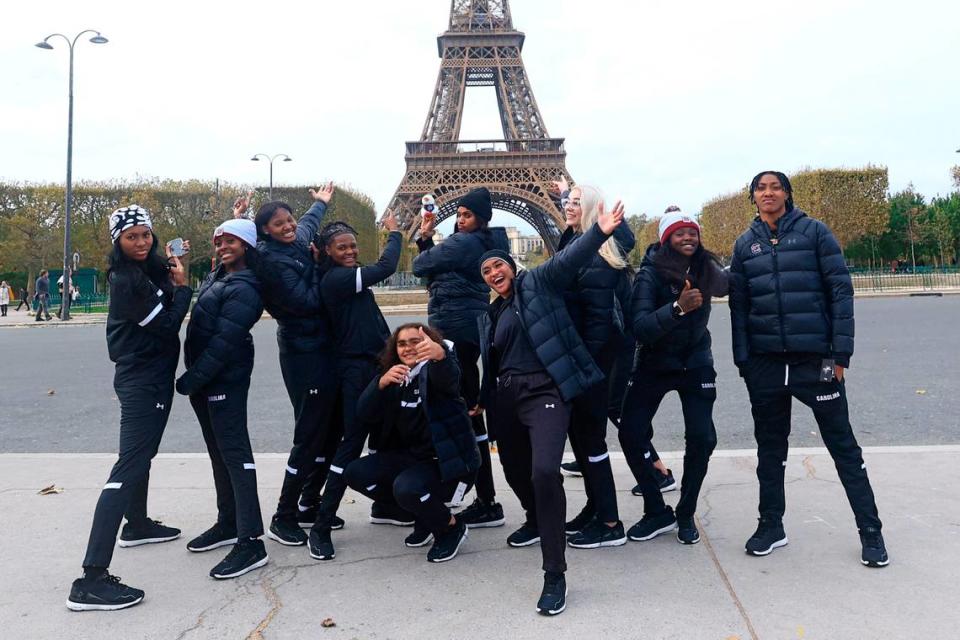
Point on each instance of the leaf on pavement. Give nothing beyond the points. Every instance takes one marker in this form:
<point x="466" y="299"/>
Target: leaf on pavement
<point x="51" y="489"/>
<point x="328" y="622"/>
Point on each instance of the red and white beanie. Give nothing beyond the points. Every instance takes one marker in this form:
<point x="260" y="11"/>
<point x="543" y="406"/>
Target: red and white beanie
<point x="673" y="221"/>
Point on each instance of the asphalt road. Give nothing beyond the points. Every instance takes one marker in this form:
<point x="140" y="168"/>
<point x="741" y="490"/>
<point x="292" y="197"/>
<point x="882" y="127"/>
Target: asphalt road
<point x="903" y="387"/>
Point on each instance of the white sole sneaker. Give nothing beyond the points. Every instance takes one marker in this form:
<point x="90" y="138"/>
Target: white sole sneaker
<point x="466" y="534"/>
<point x="651" y="536"/>
<point x="765" y="552"/>
<point x="136" y="543"/>
<point x="394" y="522"/>
<point x="276" y="538"/>
<point x="524" y="544"/>
<point x="560" y="609"/>
<point x="256" y="565"/>
<point x="596" y="545"/>
<point x="215" y="545"/>
<point x="80" y="606"/>
<point x="425" y="542"/>
<point x="487" y="524"/>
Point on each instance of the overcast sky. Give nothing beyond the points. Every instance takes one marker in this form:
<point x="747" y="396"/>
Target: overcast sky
<point x="660" y="102"/>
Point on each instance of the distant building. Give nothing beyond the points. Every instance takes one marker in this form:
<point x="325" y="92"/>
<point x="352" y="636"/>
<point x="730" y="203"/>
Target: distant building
<point x="521" y="245"/>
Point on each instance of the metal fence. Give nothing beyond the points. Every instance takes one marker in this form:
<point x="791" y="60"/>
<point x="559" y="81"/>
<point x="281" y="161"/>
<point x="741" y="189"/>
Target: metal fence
<point x="920" y="281"/>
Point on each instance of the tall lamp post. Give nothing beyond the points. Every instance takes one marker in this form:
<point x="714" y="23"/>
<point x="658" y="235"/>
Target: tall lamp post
<point x="270" y="159"/>
<point x="44" y="44"/>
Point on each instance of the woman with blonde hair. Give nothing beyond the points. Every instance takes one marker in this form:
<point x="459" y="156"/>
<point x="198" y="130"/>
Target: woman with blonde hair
<point x="596" y="303"/>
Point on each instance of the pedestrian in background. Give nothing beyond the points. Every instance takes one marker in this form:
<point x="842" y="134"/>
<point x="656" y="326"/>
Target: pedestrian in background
<point x="41" y="295"/>
<point x="791" y="308"/>
<point x="4" y="297"/>
<point x="24" y="296"/>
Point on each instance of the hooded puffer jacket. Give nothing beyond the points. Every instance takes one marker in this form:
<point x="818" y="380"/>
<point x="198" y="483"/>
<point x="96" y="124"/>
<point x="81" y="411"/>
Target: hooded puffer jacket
<point x="291" y="287"/>
<point x="458" y="295"/>
<point x="790" y="291"/>
<point x="600" y="299"/>
<point x="218" y="350"/>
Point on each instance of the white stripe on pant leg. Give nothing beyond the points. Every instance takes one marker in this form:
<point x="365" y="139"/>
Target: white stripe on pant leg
<point x="113" y="485"/>
<point x="249" y="465"/>
<point x="291" y="470"/>
<point x="458" y="494"/>
<point x="371" y="487"/>
<point x="302" y="508"/>
<point x="646" y="455"/>
<point x="485" y="436"/>
<point x="786" y="375"/>
<point x="335" y="469"/>
<point x="598" y="458"/>
<point x="425" y="497"/>
<point x="320" y="459"/>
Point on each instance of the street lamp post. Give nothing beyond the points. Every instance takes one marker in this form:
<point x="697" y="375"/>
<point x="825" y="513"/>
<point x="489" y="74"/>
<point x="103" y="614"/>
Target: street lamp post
<point x="270" y="159"/>
<point x="68" y="201"/>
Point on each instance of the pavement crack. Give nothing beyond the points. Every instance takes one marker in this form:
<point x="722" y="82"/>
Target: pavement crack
<point x="726" y="581"/>
<point x="196" y="625"/>
<point x="275" y="605"/>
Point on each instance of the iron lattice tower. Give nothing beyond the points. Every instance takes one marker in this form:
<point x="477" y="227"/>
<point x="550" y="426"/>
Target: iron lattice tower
<point x="481" y="48"/>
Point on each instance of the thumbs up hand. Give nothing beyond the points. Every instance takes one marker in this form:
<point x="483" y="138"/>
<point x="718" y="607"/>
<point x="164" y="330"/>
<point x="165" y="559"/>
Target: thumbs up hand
<point x="690" y="298"/>
<point x="427" y="349"/>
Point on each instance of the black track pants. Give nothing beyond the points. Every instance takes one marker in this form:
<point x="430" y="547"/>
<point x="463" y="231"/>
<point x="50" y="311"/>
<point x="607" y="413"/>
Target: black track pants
<point x="467" y="355"/>
<point x="531" y="424"/>
<point x="355" y="374"/>
<point x="310" y="496"/>
<point x="698" y="392"/>
<point x="143" y="417"/>
<point x="223" y="420"/>
<point x="415" y="485"/>
<point x="772" y="384"/>
<point x="588" y="439"/>
<point x="310" y="379"/>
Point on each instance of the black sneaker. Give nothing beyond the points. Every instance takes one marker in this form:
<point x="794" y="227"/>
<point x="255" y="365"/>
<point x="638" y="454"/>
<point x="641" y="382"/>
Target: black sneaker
<point x="214" y="537"/>
<point x="553" y="598"/>
<point x="420" y="537"/>
<point x="687" y="531"/>
<point x="481" y="514"/>
<point x="321" y="546"/>
<point x="103" y="593"/>
<point x="874" y="553"/>
<point x="245" y="556"/>
<point x="572" y="469"/>
<point x="768" y="536"/>
<point x="598" y="534"/>
<point x="524" y="536"/>
<point x="446" y="546"/>
<point x="580" y="521"/>
<point x="390" y="514"/>
<point x="146" y="532"/>
<point x="650" y="526"/>
<point x="286" y="532"/>
<point x="308" y="516"/>
<point x="666" y="482"/>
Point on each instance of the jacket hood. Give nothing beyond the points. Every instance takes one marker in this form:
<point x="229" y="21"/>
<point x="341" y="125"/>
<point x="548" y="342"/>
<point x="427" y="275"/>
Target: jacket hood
<point x="648" y="255"/>
<point x="783" y="225"/>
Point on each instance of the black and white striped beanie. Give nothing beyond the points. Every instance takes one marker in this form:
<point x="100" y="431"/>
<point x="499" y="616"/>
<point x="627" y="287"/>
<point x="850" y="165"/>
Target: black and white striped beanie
<point x="126" y="217"/>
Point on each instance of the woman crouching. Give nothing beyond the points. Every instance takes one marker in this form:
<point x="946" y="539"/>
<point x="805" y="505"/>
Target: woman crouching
<point x="428" y="453"/>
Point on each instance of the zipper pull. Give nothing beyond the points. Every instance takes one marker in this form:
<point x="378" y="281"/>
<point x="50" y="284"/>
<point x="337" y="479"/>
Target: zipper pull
<point x="774" y="241"/>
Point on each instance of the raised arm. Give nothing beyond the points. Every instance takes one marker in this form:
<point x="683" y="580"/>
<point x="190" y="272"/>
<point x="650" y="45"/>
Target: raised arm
<point x="343" y="282"/>
<point x="443" y="258"/>
<point x="560" y="271"/>
<point x="288" y="289"/>
<point x="310" y="222"/>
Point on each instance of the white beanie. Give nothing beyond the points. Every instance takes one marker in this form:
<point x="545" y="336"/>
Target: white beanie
<point x="674" y="220"/>
<point x="242" y="228"/>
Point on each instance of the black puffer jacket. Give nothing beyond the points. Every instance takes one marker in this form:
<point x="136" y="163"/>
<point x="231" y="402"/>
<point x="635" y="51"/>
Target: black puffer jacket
<point x="547" y="322"/>
<point x="600" y="299"/>
<point x="790" y="291"/>
<point x="291" y="287"/>
<point x="451" y="429"/>
<point x="218" y="351"/>
<point x="458" y="295"/>
<point x="667" y="343"/>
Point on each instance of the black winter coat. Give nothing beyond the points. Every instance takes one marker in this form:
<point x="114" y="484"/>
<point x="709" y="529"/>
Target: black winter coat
<point x="218" y="351"/>
<point x="458" y="295"/>
<point x="665" y="342"/>
<point x="357" y="322"/>
<point x="291" y="287"/>
<point x="451" y="429"/>
<point x="790" y="291"/>
<point x="543" y="313"/>
<point x="600" y="299"/>
<point x="143" y="327"/>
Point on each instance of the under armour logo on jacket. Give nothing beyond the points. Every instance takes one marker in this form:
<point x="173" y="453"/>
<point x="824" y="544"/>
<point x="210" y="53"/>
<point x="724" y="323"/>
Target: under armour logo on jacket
<point x="550" y="406"/>
<point x="314" y="392"/>
<point x="159" y="406"/>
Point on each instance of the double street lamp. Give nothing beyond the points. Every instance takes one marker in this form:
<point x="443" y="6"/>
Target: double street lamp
<point x="270" y="159"/>
<point x="45" y="44"/>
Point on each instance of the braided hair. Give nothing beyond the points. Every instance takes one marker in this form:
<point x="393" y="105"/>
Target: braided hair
<point x="332" y="230"/>
<point x="784" y="181"/>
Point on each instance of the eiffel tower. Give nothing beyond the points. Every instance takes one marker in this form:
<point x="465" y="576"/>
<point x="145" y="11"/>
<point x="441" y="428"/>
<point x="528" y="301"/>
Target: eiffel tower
<point x="480" y="49"/>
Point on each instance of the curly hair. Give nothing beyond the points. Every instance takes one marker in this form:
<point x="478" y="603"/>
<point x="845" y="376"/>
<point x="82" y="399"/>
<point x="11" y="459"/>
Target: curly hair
<point x="389" y="356"/>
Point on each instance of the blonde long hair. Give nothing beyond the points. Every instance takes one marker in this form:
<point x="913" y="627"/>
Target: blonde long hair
<point x="590" y="200"/>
